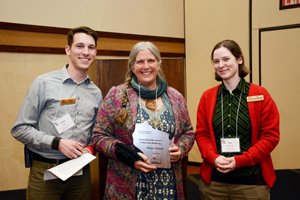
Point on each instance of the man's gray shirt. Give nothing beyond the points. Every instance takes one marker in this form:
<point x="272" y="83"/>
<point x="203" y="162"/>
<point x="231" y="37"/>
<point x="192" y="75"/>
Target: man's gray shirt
<point x="34" y="123"/>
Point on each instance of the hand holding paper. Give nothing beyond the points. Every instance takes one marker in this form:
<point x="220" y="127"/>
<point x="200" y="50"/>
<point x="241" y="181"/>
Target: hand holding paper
<point x="70" y="168"/>
<point x="175" y="153"/>
<point x="144" y="165"/>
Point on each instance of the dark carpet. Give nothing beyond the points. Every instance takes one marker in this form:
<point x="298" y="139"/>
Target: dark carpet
<point x="286" y="186"/>
<point x="13" y="195"/>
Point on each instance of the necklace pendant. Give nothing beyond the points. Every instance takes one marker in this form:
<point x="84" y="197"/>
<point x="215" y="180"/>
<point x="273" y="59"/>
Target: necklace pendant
<point x="151" y="104"/>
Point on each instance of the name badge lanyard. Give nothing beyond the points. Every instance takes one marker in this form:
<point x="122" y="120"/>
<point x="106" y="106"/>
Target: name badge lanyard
<point x="229" y="145"/>
<point x="59" y="103"/>
<point x="66" y="121"/>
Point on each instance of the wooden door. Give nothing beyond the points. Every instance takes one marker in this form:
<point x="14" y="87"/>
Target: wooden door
<point x="112" y="73"/>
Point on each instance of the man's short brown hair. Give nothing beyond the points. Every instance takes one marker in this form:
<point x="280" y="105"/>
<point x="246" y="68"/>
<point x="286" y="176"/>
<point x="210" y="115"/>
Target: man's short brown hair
<point x="82" y="29"/>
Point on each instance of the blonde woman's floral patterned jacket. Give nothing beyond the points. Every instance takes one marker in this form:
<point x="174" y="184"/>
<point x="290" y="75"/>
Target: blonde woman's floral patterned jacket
<point x="121" y="179"/>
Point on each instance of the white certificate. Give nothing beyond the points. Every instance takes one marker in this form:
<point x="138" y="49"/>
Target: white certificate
<point x="154" y="144"/>
<point x="70" y="168"/>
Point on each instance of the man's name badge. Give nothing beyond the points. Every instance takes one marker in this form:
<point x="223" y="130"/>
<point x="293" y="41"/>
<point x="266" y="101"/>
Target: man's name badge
<point x="255" y="98"/>
<point x="63" y="123"/>
<point x="230" y="145"/>
<point x="68" y="101"/>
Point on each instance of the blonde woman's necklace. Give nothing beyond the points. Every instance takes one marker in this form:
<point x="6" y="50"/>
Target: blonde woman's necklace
<point x="151" y="104"/>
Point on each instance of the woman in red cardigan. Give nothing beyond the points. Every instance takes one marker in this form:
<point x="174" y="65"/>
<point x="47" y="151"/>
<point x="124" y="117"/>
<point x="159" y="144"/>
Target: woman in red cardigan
<point x="237" y="129"/>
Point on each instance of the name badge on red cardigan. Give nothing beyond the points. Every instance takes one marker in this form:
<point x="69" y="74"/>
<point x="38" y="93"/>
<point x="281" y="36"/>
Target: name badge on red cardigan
<point x="255" y="98"/>
<point x="230" y="145"/>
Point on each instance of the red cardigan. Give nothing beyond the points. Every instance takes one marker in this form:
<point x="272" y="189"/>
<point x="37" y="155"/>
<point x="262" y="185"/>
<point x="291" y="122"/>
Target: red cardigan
<point x="264" y="118"/>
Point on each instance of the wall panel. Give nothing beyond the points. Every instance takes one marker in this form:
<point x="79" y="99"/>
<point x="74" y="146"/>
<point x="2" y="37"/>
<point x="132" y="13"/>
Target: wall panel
<point x="280" y="72"/>
<point x="275" y="66"/>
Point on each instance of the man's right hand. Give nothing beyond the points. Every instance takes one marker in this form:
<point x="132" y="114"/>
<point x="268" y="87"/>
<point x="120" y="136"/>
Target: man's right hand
<point x="70" y="148"/>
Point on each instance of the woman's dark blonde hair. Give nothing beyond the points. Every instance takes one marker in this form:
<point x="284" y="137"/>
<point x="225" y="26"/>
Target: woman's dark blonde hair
<point x="123" y="116"/>
<point x="236" y="51"/>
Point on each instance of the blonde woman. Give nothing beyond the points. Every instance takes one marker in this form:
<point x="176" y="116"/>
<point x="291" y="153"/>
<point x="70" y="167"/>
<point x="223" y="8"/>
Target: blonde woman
<point x="144" y="97"/>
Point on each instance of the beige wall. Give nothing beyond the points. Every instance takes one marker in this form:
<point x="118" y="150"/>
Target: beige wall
<point x="267" y="14"/>
<point x="17" y="72"/>
<point x="155" y="17"/>
<point x="206" y="24"/>
<point x="279" y="73"/>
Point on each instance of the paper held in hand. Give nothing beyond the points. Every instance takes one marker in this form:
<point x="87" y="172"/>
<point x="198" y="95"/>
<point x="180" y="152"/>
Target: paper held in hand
<point x="70" y="168"/>
<point x="154" y="144"/>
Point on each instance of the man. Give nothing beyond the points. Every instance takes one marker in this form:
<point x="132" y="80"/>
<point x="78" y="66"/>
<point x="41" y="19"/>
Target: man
<point x="56" y="119"/>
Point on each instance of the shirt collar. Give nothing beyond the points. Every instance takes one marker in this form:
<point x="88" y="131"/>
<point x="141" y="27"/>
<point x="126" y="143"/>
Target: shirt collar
<point x="65" y="75"/>
<point x="241" y="87"/>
